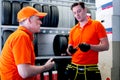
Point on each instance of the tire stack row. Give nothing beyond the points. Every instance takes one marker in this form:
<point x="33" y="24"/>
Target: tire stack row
<point x="9" y="17"/>
<point x="60" y="44"/>
<point x="10" y="10"/>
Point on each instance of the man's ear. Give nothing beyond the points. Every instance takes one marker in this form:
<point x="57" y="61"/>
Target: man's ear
<point x="29" y="20"/>
<point x="86" y="10"/>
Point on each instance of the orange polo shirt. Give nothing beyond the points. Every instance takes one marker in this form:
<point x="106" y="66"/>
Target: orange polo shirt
<point x="18" y="49"/>
<point x="91" y="34"/>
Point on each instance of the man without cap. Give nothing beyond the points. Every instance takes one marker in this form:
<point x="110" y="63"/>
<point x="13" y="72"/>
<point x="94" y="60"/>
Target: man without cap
<point x="86" y="39"/>
<point x="17" y="59"/>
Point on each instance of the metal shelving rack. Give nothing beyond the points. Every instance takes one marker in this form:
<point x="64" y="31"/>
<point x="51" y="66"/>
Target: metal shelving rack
<point x="63" y="3"/>
<point x="61" y="60"/>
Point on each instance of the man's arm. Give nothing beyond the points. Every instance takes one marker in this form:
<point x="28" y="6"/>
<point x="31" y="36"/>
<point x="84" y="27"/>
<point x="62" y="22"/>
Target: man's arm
<point x="27" y="70"/>
<point x="104" y="45"/>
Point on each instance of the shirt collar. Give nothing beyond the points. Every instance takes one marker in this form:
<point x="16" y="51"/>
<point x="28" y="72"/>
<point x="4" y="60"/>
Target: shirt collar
<point x="27" y="31"/>
<point x="89" y="22"/>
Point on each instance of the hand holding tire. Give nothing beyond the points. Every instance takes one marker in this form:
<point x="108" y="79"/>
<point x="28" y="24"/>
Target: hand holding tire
<point x="71" y="49"/>
<point x="84" y="47"/>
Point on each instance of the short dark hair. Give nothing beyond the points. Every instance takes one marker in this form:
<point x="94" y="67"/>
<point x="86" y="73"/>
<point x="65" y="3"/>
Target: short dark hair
<point x="82" y="4"/>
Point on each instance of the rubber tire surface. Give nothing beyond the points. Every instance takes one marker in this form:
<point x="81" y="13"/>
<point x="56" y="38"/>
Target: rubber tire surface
<point x="6" y="13"/>
<point x="16" y="6"/>
<point x="55" y="16"/>
<point x="5" y="35"/>
<point x="46" y="20"/>
<point x="25" y="4"/>
<point x="60" y="44"/>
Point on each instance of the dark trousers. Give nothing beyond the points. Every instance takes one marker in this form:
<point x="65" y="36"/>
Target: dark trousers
<point x="74" y="72"/>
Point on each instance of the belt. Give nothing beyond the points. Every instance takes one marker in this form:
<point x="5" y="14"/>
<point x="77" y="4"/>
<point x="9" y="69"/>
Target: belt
<point x="92" y="67"/>
<point x="84" y="66"/>
<point x="81" y="69"/>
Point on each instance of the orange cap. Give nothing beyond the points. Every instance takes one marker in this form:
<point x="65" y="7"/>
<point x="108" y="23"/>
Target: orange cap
<point x="27" y="12"/>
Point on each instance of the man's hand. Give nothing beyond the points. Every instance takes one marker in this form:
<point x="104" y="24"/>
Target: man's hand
<point x="84" y="47"/>
<point x="71" y="49"/>
<point x="49" y="64"/>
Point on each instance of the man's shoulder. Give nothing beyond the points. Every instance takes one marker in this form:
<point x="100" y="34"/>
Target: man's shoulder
<point x="96" y="21"/>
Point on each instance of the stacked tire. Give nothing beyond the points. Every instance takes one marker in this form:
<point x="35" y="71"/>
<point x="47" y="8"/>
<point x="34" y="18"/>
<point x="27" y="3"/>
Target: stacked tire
<point x="60" y="44"/>
<point x="10" y="10"/>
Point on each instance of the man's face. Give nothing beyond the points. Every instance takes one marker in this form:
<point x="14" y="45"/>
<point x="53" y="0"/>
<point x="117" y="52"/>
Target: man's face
<point x="79" y="13"/>
<point x="35" y="24"/>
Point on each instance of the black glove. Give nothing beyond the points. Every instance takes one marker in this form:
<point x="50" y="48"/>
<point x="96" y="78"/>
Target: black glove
<point x="84" y="47"/>
<point x="72" y="50"/>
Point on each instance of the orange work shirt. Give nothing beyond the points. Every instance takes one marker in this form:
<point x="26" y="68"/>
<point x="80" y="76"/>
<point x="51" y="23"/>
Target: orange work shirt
<point x="18" y="49"/>
<point x="91" y="33"/>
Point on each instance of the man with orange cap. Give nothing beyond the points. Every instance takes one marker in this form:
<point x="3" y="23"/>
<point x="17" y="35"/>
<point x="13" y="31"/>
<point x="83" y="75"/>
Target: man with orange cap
<point x="17" y="59"/>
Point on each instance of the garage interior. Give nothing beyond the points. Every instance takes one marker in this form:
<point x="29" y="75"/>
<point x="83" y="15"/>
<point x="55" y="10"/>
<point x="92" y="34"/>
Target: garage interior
<point x="52" y="40"/>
